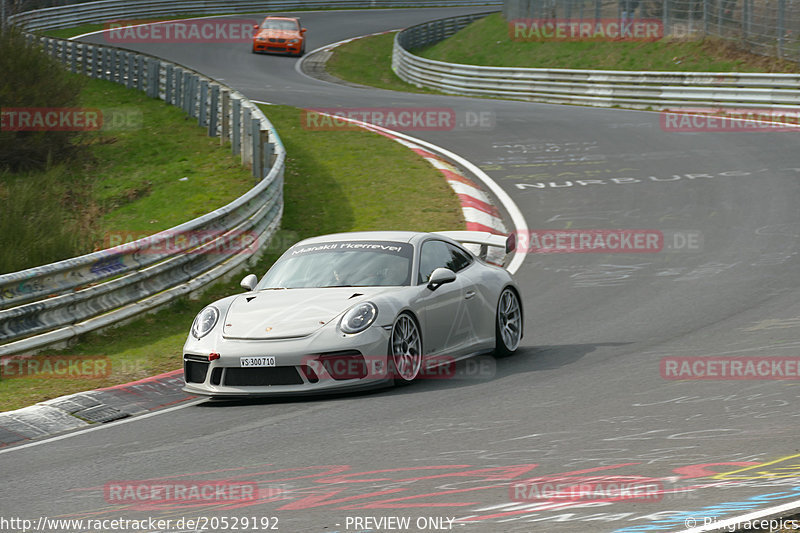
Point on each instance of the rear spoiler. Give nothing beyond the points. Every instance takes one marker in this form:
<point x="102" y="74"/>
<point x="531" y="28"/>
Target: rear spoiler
<point x="484" y="239"/>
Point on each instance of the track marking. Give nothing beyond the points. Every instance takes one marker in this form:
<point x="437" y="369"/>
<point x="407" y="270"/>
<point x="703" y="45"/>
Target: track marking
<point x="102" y="426"/>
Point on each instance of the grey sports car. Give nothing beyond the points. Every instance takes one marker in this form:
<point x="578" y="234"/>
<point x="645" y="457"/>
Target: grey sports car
<point x="355" y="310"/>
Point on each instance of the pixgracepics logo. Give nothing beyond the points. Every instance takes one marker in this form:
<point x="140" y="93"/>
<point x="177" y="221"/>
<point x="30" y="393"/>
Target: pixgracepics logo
<point x="400" y="118"/>
<point x="725" y="120"/>
<point x="570" y="29"/>
<point x="210" y="30"/>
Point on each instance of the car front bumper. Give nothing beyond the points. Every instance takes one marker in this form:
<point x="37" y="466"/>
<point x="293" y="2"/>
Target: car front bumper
<point x="326" y="361"/>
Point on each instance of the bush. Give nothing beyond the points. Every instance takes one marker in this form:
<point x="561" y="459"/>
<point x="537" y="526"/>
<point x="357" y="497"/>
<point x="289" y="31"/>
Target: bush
<point x="30" y="78"/>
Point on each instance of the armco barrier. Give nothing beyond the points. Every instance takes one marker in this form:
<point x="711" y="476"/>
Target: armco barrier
<point x="77" y="13"/>
<point x="52" y="303"/>
<point x="634" y="89"/>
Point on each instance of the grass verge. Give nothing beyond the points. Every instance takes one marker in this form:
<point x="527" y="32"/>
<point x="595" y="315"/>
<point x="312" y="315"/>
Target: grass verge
<point x="150" y="168"/>
<point x="334" y="181"/>
<point x="368" y="61"/>
<point x="486" y="42"/>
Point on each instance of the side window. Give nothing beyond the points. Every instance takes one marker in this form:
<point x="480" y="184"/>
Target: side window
<point x="459" y="259"/>
<point x="434" y="254"/>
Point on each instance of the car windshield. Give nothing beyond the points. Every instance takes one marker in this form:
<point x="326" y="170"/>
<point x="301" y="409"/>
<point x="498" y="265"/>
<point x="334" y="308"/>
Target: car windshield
<point x="341" y="264"/>
<point x="279" y="25"/>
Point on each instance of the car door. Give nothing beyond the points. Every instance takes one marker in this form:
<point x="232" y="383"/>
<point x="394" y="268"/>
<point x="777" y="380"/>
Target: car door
<point x="442" y="312"/>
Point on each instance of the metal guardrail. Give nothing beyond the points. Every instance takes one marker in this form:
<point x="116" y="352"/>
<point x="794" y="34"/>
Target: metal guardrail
<point x="54" y="302"/>
<point x="634" y="89"/>
<point x="35" y="15"/>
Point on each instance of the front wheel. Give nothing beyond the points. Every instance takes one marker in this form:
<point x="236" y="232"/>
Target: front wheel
<point x="405" y="350"/>
<point x="508" y="325"/>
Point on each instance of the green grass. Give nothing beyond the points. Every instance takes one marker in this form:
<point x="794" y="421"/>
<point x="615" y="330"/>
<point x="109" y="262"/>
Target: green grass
<point x="126" y="184"/>
<point x="368" y="61"/>
<point x="487" y="42"/>
<point x="334" y="181"/>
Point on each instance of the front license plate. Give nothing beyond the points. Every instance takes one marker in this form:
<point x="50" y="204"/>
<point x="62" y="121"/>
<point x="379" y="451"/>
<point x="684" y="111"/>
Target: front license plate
<point x="256" y="361"/>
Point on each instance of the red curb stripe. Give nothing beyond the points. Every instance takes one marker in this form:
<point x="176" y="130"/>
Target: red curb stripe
<point x="454" y="176"/>
<point x="158" y="377"/>
<point x="469" y="201"/>
<point x="475" y="226"/>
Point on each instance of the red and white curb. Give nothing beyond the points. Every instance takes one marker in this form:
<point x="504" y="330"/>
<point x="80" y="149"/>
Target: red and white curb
<point x="479" y="212"/>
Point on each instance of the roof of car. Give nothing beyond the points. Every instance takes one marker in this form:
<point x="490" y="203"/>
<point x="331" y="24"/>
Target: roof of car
<point x="394" y="236"/>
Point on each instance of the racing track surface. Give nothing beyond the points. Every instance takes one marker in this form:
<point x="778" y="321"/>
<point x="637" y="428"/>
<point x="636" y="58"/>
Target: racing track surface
<point x="584" y="395"/>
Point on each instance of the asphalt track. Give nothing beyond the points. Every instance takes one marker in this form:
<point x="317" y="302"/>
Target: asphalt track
<point x="584" y="397"/>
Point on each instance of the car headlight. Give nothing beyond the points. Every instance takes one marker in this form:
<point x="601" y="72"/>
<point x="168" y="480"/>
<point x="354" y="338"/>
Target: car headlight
<point x="262" y="39"/>
<point x="359" y="317"/>
<point x="292" y="41"/>
<point x="205" y="322"/>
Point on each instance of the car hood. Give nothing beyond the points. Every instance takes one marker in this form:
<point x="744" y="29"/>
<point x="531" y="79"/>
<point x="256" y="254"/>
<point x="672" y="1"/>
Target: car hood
<point x="279" y="34"/>
<point x="286" y="313"/>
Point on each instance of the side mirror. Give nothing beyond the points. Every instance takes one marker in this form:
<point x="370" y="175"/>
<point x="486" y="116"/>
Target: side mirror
<point x="255" y="26"/>
<point x="439" y="277"/>
<point x="249" y="282"/>
<point x="302" y="30"/>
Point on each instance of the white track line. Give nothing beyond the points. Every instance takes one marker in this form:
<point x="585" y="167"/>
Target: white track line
<point x="135" y="418"/>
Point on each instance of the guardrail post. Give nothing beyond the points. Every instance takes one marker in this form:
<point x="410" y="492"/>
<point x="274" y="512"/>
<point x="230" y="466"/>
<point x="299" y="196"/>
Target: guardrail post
<point x="781" y="26"/>
<point x="73" y="55"/>
<point x="665" y="16"/>
<point x="213" y="111"/>
<point x="267" y="151"/>
<point x="247" y="141"/>
<point x="236" y="128"/>
<point x="95" y="57"/>
<point x="154" y="80"/>
<point x="225" y="117"/>
<point x="179" y="88"/>
<point x="168" y="81"/>
<point x="187" y="92"/>
<point x="202" y="100"/>
<point x="255" y="136"/>
<point x="129" y="69"/>
<point x="140" y="72"/>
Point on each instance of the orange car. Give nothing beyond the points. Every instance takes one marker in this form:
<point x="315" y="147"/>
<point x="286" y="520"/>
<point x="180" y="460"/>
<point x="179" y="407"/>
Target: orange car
<point x="281" y="35"/>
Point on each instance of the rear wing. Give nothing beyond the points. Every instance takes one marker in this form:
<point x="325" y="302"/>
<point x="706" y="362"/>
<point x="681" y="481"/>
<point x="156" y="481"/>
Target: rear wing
<point x="484" y="240"/>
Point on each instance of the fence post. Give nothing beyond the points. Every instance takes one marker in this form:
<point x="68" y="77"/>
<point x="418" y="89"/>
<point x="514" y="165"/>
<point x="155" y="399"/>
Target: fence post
<point x="202" y="100"/>
<point x="781" y="26"/>
<point x="247" y="142"/>
<point x="255" y="136"/>
<point x="213" y="111"/>
<point x="168" y="80"/>
<point x="140" y="72"/>
<point x="225" y="117"/>
<point x="236" y="128"/>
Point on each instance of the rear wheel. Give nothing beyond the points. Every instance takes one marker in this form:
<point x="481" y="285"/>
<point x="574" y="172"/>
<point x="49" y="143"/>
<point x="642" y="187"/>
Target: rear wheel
<point x="508" y="325"/>
<point x="405" y="350"/>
